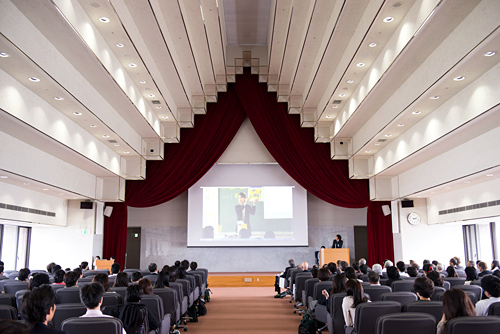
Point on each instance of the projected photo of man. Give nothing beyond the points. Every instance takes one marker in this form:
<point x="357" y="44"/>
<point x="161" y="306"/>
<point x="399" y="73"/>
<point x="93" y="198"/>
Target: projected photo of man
<point x="243" y="212"/>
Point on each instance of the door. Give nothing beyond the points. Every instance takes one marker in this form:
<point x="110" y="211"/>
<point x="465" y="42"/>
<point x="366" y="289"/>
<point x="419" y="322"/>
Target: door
<point x="133" y="256"/>
<point x="360" y="242"/>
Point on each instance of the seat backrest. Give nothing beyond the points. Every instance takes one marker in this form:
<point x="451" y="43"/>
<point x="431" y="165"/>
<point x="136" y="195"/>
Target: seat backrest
<point x="288" y="275"/>
<point x="402" y="297"/>
<point x="408" y="323"/>
<point x="446" y="285"/>
<point x="477" y="290"/>
<point x="84" y="280"/>
<point x="376" y="290"/>
<point x="8" y="312"/>
<point x="154" y="304"/>
<point x="68" y="295"/>
<point x="169" y="298"/>
<point x="467" y="325"/>
<point x="58" y="286"/>
<point x="6" y="299"/>
<point x="110" y="299"/>
<point x="461" y="274"/>
<point x="365" y="320"/>
<point x="320" y="286"/>
<point x="300" y="281"/>
<point x="337" y="314"/>
<point x="438" y="291"/>
<point x="494" y="309"/>
<point x="66" y="311"/>
<point x="186" y="286"/>
<point x="200" y="272"/>
<point x="455" y="280"/>
<point x="383" y="280"/>
<point x="434" y="308"/>
<point x="178" y="288"/>
<point x="121" y="290"/>
<point x="404" y="285"/>
<point x="92" y="325"/>
<point x="309" y="286"/>
<point x="152" y="278"/>
<point x="95" y="272"/>
<point x="206" y="274"/>
<point x="12" y="275"/>
<point x="12" y="287"/>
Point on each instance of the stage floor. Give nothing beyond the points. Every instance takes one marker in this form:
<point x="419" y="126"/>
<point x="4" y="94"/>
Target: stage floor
<point x="247" y="279"/>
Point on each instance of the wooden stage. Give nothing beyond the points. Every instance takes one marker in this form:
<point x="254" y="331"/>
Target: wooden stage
<point x="224" y="280"/>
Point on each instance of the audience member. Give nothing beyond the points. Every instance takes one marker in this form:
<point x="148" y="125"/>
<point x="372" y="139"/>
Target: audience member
<point x="387" y="264"/>
<point x="436" y="278"/>
<point x="332" y="266"/>
<point x="153" y="269"/>
<point x="491" y="288"/>
<point x="453" y="262"/>
<point x="483" y="268"/>
<point x="163" y="280"/>
<point x="79" y="272"/>
<point x="23" y="274"/>
<point x="495" y="265"/>
<point x="427" y="268"/>
<point x="373" y="278"/>
<point x="115" y="269"/>
<point x="459" y="263"/>
<point x="402" y="268"/>
<point x="50" y="267"/>
<point x="70" y="279"/>
<point x="102" y="279"/>
<point x="14" y="327"/>
<point x="277" y="289"/>
<point x="59" y="277"/>
<point x="364" y="269"/>
<point x="412" y="271"/>
<point x="424" y="288"/>
<point x="456" y="304"/>
<point x="2" y="277"/>
<point x="194" y="265"/>
<point x="470" y="274"/>
<point x="355" y="296"/>
<point x="315" y="270"/>
<point x="38" y="279"/>
<point x="136" y="277"/>
<point x="121" y="280"/>
<point x="84" y="265"/>
<point x="393" y="275"/>
<point x="451" y="272"/>
<point x="440" y="269"/>
<point x="350" y="273"/>
<point x="146" y="286"/>
<point x="39" y="306"/>
<point x="377" y="268"/>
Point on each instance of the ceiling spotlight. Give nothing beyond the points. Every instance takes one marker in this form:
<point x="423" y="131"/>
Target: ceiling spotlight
<point x="459" y="78"/>
<point x="328" y="116"/>
<point x="120" y="45"/>
<point x="76" y="113"/>
<point x="104" y="19"/>
<point x="490" y="53"/>
<point x="159" y="107"/>
<point x="367" y="151"/>
<point x="335" y="107"/>
<point x="45" y="189"/>
<point x="105" y="136"/>
<point x="151" y="95"/>
<point x="388" y="19"/>
<point x="417" y="112"/>
<point x="4" y="177"/>
<point x="26" y="183"/>
<point x="58" y="98"/>
<point x="388" y="135"/>
<point x="93" y="126"/>
<point x="435" y="97"/>
<point x="341" y="95"/>
<point x="377" y="144"/>
<point x="350" y="81"/>
<point x="117" y="144"/>
<point x="489" y="175"/>
<point x="401" y="124"/>
<point x="165" y="117"/>
<point x="132" y="65"/>
<point x="4" y="55"/>
<point x="126" y="152"/>
<point x="34" y="79"/>
<point x="360" y="64"/>
<point x="142" y="81"/>
<point x="372" y="45"/>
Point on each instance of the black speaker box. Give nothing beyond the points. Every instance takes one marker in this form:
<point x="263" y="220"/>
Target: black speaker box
<point x="407" y="204"/>
<point x="86" y="205"/>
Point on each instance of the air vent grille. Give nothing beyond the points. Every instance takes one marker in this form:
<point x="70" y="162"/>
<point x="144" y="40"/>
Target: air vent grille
<point x="381" y="140"/>
<point x="27" y="210"/>
<point x="112" y="141"/>
<point x="156" y="102"/>
<point x="337" y="102"/>
<point x="469" y="207"/>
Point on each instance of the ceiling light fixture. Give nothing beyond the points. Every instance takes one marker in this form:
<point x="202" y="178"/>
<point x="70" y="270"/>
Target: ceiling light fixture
<point x="490" y="53"/>
<point x="165" y="117"/>
<point x="76" y="113"/>
<point x="58" y="98"/>
<point x="105" y="136"/>
<point x="34" y="79"/>
<point x="4" y="177"/>
<point x="328" y="116"/>
<point x="459" y="78"/>
<point x="388" y="135"/>
<point x="120" y="45"/>
<point x="45" y="189"/>
<point x="151" y="95"/>
<point x="132" y="65"/>
<point x="126" y="152"/>
<point x="142" y="81"/>
<point x="388" y="19"/>
<point x="335" y="107"/>
<point x="93" y="126"/>
<point x="377" y="144"/>
<point x="372" y="45"/>
<point x="159" y="107"/>
<point x="360" y="64"/>
<point x="417" y="112"/>
<point x="117" y="144"/>
<point x="341" y="95"/>
<point x="350" y="81"/>
<point x="489" y="175"/>
<point x="4" y="55"/>
<point x="401" y="124"/>
<point x="367" y="151"/>
<point x="104" y="19"/>
<point x="435" y="97"/>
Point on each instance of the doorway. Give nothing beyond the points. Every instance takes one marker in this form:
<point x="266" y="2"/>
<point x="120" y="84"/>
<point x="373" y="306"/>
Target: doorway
<point x="133" y="255"/>
<point x="360" y="242"/>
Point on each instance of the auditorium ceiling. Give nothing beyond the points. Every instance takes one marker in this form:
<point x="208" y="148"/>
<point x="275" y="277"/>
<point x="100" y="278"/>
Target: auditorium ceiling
<point x="390" y="85"/>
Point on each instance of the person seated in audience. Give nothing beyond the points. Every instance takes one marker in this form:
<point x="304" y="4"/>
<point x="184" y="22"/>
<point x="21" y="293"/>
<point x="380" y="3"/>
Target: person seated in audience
<point x="39" y="306"/>
<point x="84" y="265"/>
<point x="483" y="269"/>
<point x="277" y="289"/>
<point x="491" y="288"/>
<point x="59" y="277"/>
<point x="377" y="268"/>
<point x="332" y="266"/>
<point x="440" y="269"/>
<point x="459" y="263"/>
<point x="425" y="262"/>
<point x="115" y="269"/>
<point x="50" y="267"/>
<point x="181" y="272"/>
<point x="102" y="279"/>
<point x="14" y="327"/>
<point x="323" y="276"/>
<point x="412" y="271"/>
<point x="314" y="271"/>
<point x="2" y="277"/>
<point x="121" y="280"/>
<point x="194" y="265"/>
<point x="436" y="278"/>
<point x="350" y="273"/>
<point x="305" y="266"/>
<point x="453" y="262"/>
<point x="402" y="268"/>
<point x="362" y="261"/>
<point x="470" y="275"/>
<point x="79" y="272"/>
<point x="70" y="279"/>
<point x="177" y="263"/>
<point x="456" y="304"/>
<point x="136" y="277"/>
<point x="38" y="279"/>
<point x="355" y="296"/>
<point x="373" y="278"/>
<point x="434" y="263"/>
<point x="355" y="266"/>
<point x="338" y="286"/>
<point x="146" y="286"/>
<point x="57" y="267"/>
<point x="471" y="264"/>
<point x="427" y="268"/>
<point x="387" y="264"/>
<point x="393" y="275"/>
<point x="495" y="265"/>
<point x="163" y="280"/>
<point x="343" y="266"/>
<point x="424" y="288"/>
<point x="363" y="268"/>
<point x="451" y="272"/>
<point x="91" y="296"/>
<point x="153" y="269"/>
<point x="23" y="275"/>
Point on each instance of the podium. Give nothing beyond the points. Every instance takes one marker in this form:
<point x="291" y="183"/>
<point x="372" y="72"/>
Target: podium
<point x="328" y="255"/>
<point x="104" y="264"/>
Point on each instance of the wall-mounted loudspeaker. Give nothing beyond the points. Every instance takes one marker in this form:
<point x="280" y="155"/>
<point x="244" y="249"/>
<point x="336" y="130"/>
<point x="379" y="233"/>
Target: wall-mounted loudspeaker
<point x="406" y="203"/>
<point x="86" y="205"/>
<point x="108" y="210"/>
<point x="386" y="210"/>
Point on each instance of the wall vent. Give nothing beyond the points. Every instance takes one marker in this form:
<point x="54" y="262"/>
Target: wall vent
<point x="337" y="102"/>
<point x="28" y="210"/>
<point x="469" y="207"/>
<point x="112" y="141"/>
<point x="156" y="102"/>
<point x="381" y="140"/>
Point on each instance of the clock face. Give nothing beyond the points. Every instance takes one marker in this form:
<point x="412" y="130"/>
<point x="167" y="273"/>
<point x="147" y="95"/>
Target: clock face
<point x="414" y="218"/>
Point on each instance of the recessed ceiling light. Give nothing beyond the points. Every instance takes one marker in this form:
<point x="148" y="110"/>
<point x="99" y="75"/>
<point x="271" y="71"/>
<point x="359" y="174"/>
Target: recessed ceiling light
<point x="45" y="189"/>
<point x="467" y="182"/>
<point x="328" y="116"/>
<point x="388" y="135"/>
<point x="93" y="126"/>
<point x="117" y="144"/>
<point x="367" y="151"/>
<point x="4" y="55"/>
<point x="58" y="98"/>
<point x="151" y="95"/>
<point x="490" y="53"/>
<point x="448" y="187"/>
<point x="459" y="78"/>
<point x="401" y="124"/>
<point x="335" y="107"/>
<point x="105" y="136"/>
<point x="132" y="65"/>
<point x="26" y="183"/>
<point x="389" y="19"/>
<point x="126" y="152"/>
<point x="342" y="95"/>
<point x="350" y="81"/>
<point x="360" y="64"/>
<point x="120" y="45"/>
<point x="104" y="19"/>
<point x="76" y="113"/>
<point x="34" y="79"/>
<point x="377" y="144"/>
<point x="417" y="112"/>
<point x="142" y="81"/>
<point x="489" y="175"/>
<point x="372" y="45"/>
<point x="4" y="177"/>
<point x="165" y="117"/>
<point x="159" y="107"/>
<point x="435" y="97"/>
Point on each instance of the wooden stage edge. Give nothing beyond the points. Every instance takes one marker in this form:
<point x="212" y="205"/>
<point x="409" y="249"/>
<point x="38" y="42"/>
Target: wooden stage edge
<point x="225" y="280"/>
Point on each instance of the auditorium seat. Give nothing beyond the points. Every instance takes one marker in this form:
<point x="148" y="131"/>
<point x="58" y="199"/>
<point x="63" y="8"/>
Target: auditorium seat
<point x="438" y="291"/>
<point x="468" y="325"/>
<point x="434" y="308"/>
<point x="408" y="323"/>
<point x="92" y="325"/>
<point x="200" y="281"/>
<point x="206" y="274"/>
<point x="12" y="287"/>
<point x="335" y="320"/>
<point x="8" y="312"/>
<point x="494" y="309"/>
<point x="66" y="311"/>
<point x="446" y="285"/>
<point x="365" y="321"/>
<point x="169" y="298"/>
<point x="300" y="283"/>
<point x="194" y="288"/>
<point x="153" y="278"/>
<point x="477" y="290"/>
<point x="12" y="275"/>
<point x="59" y="286"/>
<point x="319" y="287"/>
<point x="85" y="280"/>
<point x="110" y="299"/>
<point x="68" y="295"/>
<point x="6" y="299"/>
<point x="455" y="280"/>
<point x="154" y="304"/>
<point x="19" y="298"/>
<point x="470" y="294"/>
<point x="402" y="297"/>
<point x="121" y="290"/>
<point x="186" y="290"/>
<point x="403" y="285"/>
<point x="309" y="290"/>
<point x="383" y="280"/>
<point x="376" y="290"/>
<point x="95" y="272"/>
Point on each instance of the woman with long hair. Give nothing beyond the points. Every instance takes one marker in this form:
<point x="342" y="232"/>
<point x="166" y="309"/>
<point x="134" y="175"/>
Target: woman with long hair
<point x="470" y="274"/>
<point x="121" y="280"/>
<point x="146" y="286"/>
<point x="456" y="304"/>
<point x="355" y="296"/>
<point x="163" y="279"/>
<point x="451" y="272"/>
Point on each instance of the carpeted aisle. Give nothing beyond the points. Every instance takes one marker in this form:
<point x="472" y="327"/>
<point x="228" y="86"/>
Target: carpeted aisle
<point x="246" y="310"/>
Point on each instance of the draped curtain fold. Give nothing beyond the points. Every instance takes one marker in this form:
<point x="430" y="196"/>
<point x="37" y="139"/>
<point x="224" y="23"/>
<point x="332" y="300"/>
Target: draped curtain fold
<point x="293" y="148"/>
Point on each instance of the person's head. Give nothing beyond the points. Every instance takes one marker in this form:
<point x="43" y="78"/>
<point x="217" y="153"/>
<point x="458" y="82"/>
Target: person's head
<point x="434" y="262"/>
<point x="153" y="268"/>
<point x="423" y="287"/>
<point x="146" y="286"/>
<point x="133" y="294"/>
<point x="102" y="279"/>
<point x="339" y="281"/>
<point x="362" y="261"/>
<point x="97" y="257"/>
<point x="392" y="273"/>
<point x="439" y="267"/>
<point x="291" y="263"/>
<point x="241" y="198"/>
<point x="185" y="264"/>
<point x="453" y="262"/>
<point x="377" y="268"/>
<point x="436" y="278"/>
<point x="401" y="266"/>
<point x="426" y="262"/>
<point x="482" y="266"/>
<point x="305" y="265"/>
<point x="363" y="268"/>
<point x="350" y="273"/>
<point x="471" y="264"/>
<point x="59" y="276"/>
<point x="458" y="260"/>
<point x="388" y="263"/>
<point x="136" y="276"/>
<point x="39" y="304"/>
<point x="456" y="304"/>
<point x="427" y="268"/>
<point x="112" y="258"/>
<point x="339" y="237"/>
<point x="23" y="274"/>
<point x="70" y="279"/>
<point x="193" y="265"/>
<point x="314" y="271"/>
<point x="491" y="286"/>
<point x="14" y="327"/>
<point x="91" y="295"/>
<point x="332" y="267"/>
<point x="115" y="268"/>
<point x="470" y="274"/>
<point x="324" y="274"/>
<point x="412" y="271"/>
<point x="495" y="264"/>
<point x="121" y="280"/>
<point x="84" y="265"/>
<point x="354" y="288"/>
<point x="163" y="279"/>
<point x="78" y="271"/>
<point x="38" y="279"/>
<point x="172" y="274"/>
<point x="451" y="271"/>
<point x="50" y="267"/>
<point x="355" y="266"/>
<point x="344" y="265"/>
<point x="373" y="278"/>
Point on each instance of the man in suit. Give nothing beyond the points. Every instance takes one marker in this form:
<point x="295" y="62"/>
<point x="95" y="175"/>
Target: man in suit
<point x="483" y="268"/>
<point x="243" y="212"/>
<point x="291" y="264"/>
<point x="337" y="243"/>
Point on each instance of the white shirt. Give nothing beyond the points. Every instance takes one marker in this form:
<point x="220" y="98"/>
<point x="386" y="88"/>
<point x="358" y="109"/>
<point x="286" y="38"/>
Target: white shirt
<point x="348" y="310"/>
<point x="401" y="274"/>
<point x="483" y="305"/>
<point x="98" y="314"/>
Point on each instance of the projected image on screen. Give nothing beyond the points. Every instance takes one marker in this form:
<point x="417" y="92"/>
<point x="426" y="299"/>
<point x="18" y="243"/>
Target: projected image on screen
<point x="247" y="213"/>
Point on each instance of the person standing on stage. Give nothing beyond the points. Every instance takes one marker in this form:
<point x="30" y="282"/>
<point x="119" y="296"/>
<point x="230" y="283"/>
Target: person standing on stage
<point x="337" y="243"/>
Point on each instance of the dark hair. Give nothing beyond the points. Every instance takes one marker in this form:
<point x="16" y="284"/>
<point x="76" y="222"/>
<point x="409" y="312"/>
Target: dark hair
<point x="339" y="236"/>
<point x="401" y="266"/>
<point x="470" y="273"/>
<point x="37" y="303"/>
<point x="84" y="265"/>
<point x="451" y="272"/>
<point x="91" y="294"/>
<point x="435" y="262"/>
<point x="59" y="276"/>
<point x="172" y="274"/>
<point x="115" y="268"/>
<point x="13" y="327"/>
<point x="491" y="284"/>
<point x="102" y="279"/>
<point x="78" y="271"/>
<point x="373" y="277"/>
<point x="133" y="294"/>
<point x="50" y="267"/>
<point x="136" y="276"/>
<point x="426" y="262"/>
<point x="193" y="265"/>
<point x="163" y="280"/>
<point x="424" y="286"/>
<point x="456" y="304"/>
<point x="412" y="271"/>
<point x="332" y="266"/>
<point x="70" y="279"/>
<point x="363" y="268"/>
<point x="482" y="265"/>
<point x="495" y="264"/>
<point x="242" y="195"/>
<point x="146" y="286"/>
<point x="324" y="274"/>
<point x="38" y="279"/>
<point x="427" y="267"/>
<point x="338" y="284"/>
<point x="23" y="274"/>
<point x="185" y="263"/>
<point x="314" y="271"/>
<point x="344" y="265"/>
<point x="56" y="267"/>
<point x="392" y="273"/>
<point x="453" y="261"/>
<point x="121" y="280"/>
<point x="436" y="278"/>
<point x="177" y="263"/>
<point x="181" y="272"/>
<point x="355" y="289"/>
<point x="350" y="273"/>
<point x="152" y="267"/>
<point x="355" y="266"/>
